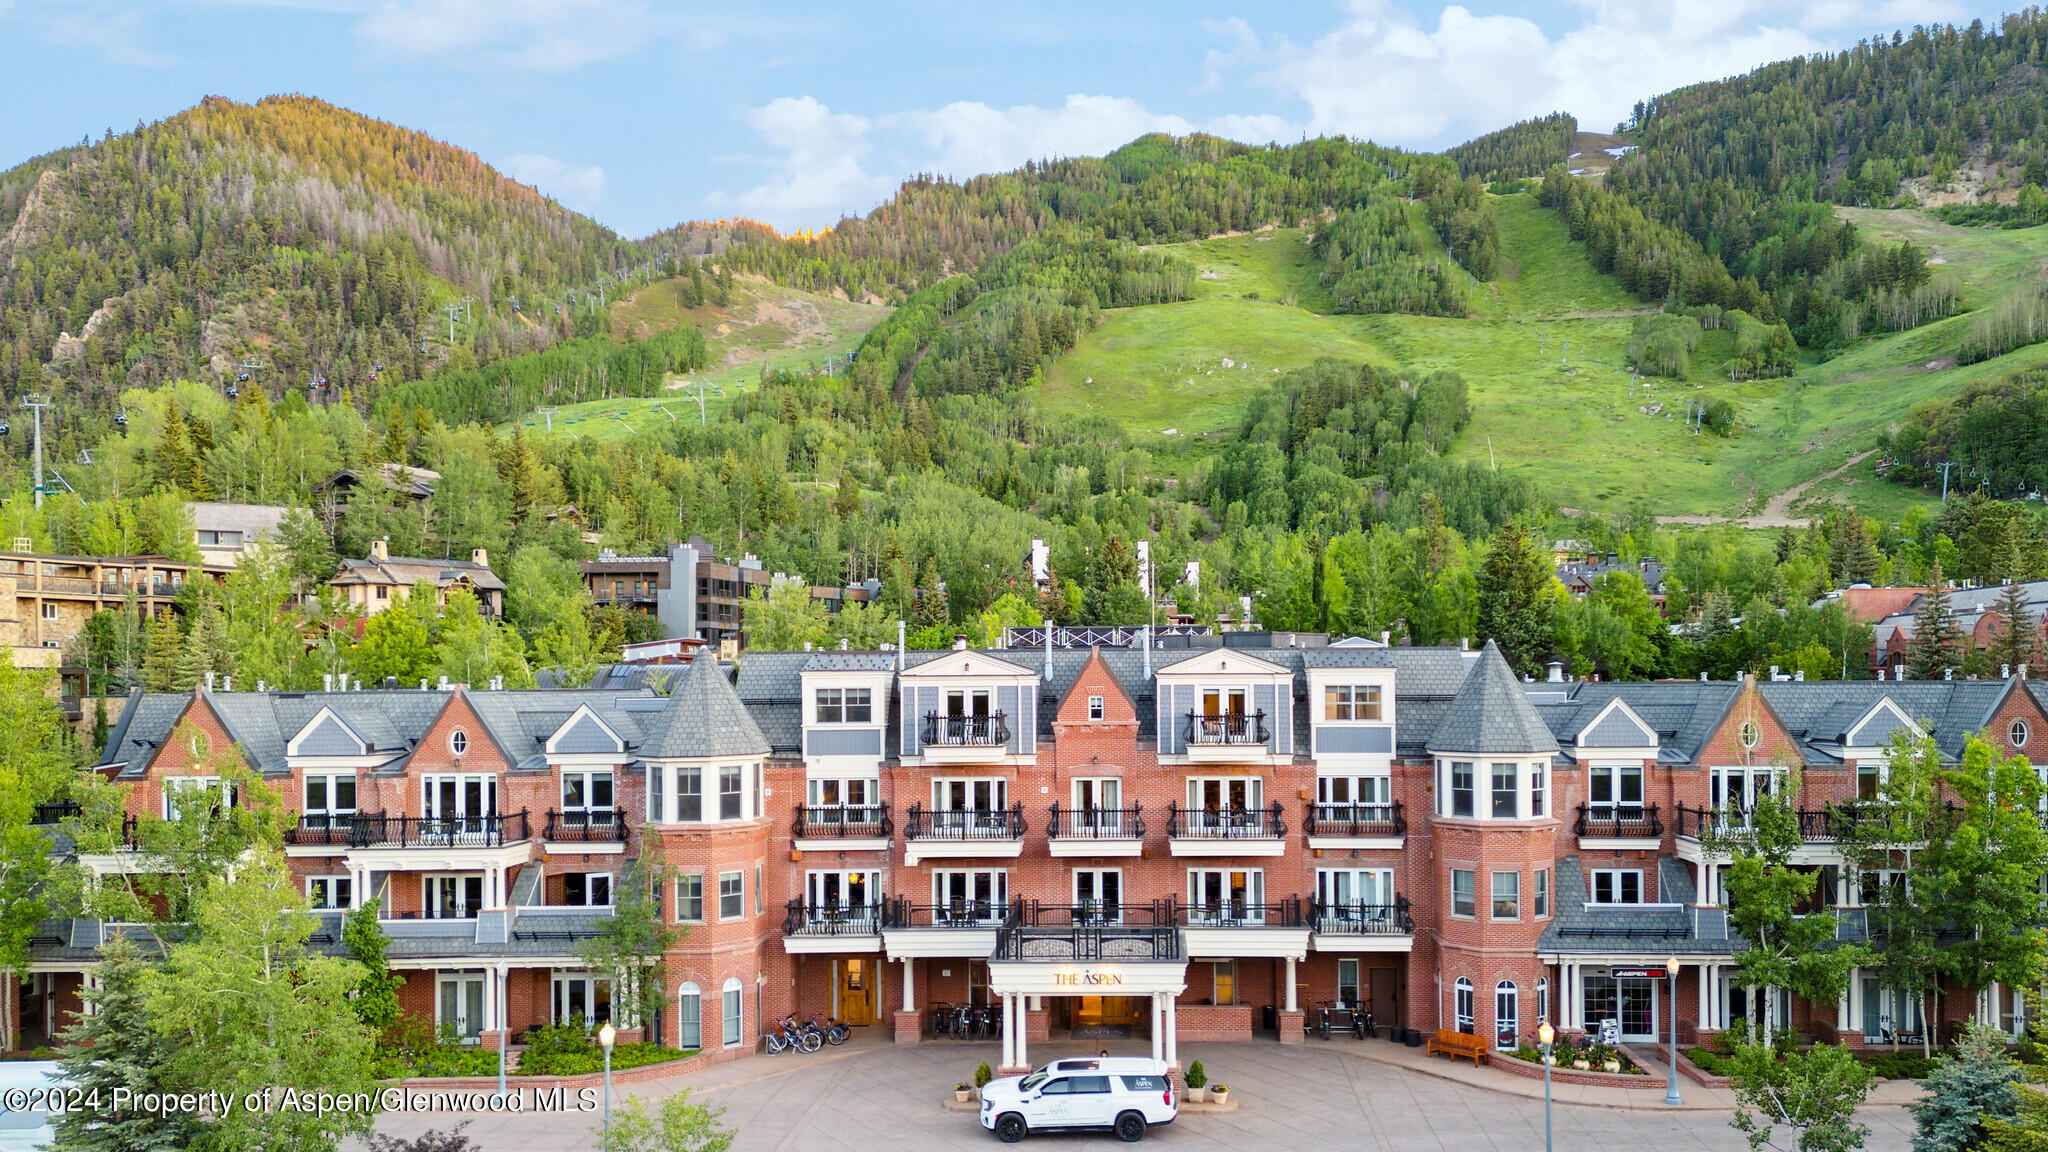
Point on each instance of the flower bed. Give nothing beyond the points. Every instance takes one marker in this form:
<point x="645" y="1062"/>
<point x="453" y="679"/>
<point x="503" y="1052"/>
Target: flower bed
<point x="1632" y="1077"/>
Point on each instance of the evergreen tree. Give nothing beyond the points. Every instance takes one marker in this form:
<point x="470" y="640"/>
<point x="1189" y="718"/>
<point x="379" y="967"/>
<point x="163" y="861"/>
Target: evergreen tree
<point x="162" y="667"/>
<point x="1513" y="608"/>
<point x="931" y="598"/>
<point x="115" y="1047"/>
<point x="2018" y="631"/>
<point x="1978" y="1083"/>
<point x="846" y="499"/>
<point x="1854" y="558"/>
<point x="1937" y="642"/>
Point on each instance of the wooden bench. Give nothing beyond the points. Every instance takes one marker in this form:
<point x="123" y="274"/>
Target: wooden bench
<point x="1456" y="1044"/>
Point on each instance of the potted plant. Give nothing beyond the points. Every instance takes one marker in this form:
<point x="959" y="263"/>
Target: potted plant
<point x="1579" y="1057"/>
<point x="1198" y="1083"/>
<point x="963" y="1092"/>
<point x="1220" y="1093"/>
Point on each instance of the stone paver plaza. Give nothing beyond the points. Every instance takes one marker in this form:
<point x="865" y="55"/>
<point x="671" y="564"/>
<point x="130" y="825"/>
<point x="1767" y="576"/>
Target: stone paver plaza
<point x="1349" y="1096"/>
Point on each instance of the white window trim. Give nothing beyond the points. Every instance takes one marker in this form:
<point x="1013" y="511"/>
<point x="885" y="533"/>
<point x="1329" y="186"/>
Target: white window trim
<point x="1593" y="888"/>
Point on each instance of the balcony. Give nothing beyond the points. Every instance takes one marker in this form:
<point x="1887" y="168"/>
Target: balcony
<point x="1096" y="831"/>
<point x="1226" y="831"/>
<point x="56" y="812"/>
<point x="842" y="827"/>
<point x="586" y="826"/>
<point x="828" y="927"/>
<point x="1355" y="825"/>
<point x="965" y="739"/>
<point x="1090" y="930"/>
<point x="976" y="833"/>
<point x="1243" y="928"/>
<point x="383" y="830"/>
<point x="1229" y="730"/>
<point x="1353" y="926"/>
<point x="1619" y="826"/>
<point x="959" y="928"/>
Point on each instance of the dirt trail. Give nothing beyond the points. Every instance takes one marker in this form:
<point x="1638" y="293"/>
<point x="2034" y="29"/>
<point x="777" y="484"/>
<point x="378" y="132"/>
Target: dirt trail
<point x="1778" y="512"/>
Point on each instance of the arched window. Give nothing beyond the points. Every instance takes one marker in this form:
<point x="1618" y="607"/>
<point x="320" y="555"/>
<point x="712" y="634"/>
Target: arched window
<point x="1506" y="1015"/>
<point x="732" y="1012"/>
<point x="1543" y="1000"/>
<point x="689" y="1016"/>
<point x="458" y="742"/>
<point x="1462" y="1006"/>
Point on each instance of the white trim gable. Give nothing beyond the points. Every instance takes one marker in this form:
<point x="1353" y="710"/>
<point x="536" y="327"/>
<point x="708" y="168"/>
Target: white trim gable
<point x="326" y="716"/>
<point x="584" y="713"/>
<point x="1225" y="662"/>
<point x="966" y="663"/>
<point x="1852" y="741"/>
<point x="1644" y="749"/>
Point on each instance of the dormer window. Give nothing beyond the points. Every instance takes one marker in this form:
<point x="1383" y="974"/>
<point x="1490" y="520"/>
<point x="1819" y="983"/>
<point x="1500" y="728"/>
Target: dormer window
<point x="1351" y="702"/>
<point x="845" y="706"/>
<point x="458" y="742"/>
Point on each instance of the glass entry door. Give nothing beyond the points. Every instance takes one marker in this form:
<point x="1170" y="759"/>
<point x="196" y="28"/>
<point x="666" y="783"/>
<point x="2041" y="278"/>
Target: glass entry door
<point x="461" y="1005"/>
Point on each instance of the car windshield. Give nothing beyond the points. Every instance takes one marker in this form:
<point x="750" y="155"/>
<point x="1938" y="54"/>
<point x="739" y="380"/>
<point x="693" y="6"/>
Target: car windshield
<point x="1034" y="1080"/>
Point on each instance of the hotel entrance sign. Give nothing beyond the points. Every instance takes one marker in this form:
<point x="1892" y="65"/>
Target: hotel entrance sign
<point x="1088" y="978"/>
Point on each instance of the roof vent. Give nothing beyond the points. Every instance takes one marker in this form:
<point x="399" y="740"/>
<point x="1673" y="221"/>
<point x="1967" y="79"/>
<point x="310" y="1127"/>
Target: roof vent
<point x="1800" y="676"/>
<point x="1948" y="673"/>
<point x="1880" y="674"/>
<point x="844" y="643"/>
<point x="2022" y="673"/>
<point x="262" y="687"/>
<point x="209" y="681"/>
<point x="2005" y="671"/>
<point x="1703" y="677"/>
<point x="443" y="684"/>
<point x="327" y="682"/>
<point x="390" y="683"/>
<point x="497" y="683"/>
<point x="1556" y="668"/>
<point x="228" y="684"/>
<point x="960" y="642"/>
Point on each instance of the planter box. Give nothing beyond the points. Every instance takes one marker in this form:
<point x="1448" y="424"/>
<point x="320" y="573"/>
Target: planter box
<point x="1564" y="1074"/>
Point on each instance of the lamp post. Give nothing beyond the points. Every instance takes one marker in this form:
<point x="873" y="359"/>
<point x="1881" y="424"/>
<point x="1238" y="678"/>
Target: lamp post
<point x="1544" y="1035"/>
<point x="605" y="1037"/>
<point x="1671" y="1086"/>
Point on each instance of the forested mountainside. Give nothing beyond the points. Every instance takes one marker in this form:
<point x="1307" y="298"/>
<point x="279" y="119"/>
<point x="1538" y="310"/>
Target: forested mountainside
<point x="321" y="243"/>
<point x="1519" y="150"/>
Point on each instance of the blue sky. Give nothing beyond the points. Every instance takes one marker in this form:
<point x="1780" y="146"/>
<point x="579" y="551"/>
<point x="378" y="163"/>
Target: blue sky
<point x="645" y="113"/>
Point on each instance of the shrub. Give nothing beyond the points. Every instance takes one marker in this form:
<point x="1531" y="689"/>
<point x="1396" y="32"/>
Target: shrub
<point x="1713" y="1063"/>
<point x="983" y="1074"/>
<point x="1197" y="1077"/>
<point x="1897" y="1065"/>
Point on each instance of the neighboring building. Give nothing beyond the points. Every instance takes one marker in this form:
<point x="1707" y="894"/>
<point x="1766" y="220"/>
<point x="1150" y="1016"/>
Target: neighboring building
<point x="375" y="583"/>
<point x="1198" y="844"/>
<point x="1893" y="613"/>
<point x="1579" y="575"/>
<point x="225" y="531"/>
<point x="695" y="596"/>
<point x="46" y="600"/>
<point x="413" y="483"/>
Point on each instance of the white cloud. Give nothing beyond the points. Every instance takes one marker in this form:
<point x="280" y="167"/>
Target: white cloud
<point x="535" y="35"/>
<point x="121" y="37"/>
<point x="966" y="137"/>
<point x="580" y="186"/>
<point x="817" y="174"/>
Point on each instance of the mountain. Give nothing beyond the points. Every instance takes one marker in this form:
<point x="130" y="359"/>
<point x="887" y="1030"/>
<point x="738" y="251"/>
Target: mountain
<point x="317" y="241"/>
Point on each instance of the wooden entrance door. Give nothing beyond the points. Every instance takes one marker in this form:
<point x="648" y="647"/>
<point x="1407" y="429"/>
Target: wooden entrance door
<point x="1384" y="983"/>
<point x="856" y="983"/>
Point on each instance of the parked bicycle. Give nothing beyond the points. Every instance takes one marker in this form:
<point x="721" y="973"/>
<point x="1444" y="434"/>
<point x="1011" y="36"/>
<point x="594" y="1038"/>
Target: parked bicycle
<point x="835" y="1032"/>
<point x="794" y="1037"/>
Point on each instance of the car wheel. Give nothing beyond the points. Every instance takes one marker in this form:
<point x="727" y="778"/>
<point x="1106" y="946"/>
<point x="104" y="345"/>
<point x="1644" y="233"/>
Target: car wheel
<point x="1010" y="1128"/>
<point x="1130" y="1127"/>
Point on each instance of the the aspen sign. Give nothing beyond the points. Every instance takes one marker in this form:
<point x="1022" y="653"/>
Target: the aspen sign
<point x="1087" y="977"/>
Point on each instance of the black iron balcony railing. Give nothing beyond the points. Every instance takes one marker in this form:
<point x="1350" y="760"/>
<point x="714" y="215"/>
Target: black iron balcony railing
<point x="990" y="731"/>
<point x="586" y="826"/>
<point x="56" y="812"/>
<point x="830" y="919"/>
<point x="1096" y="823"/>
<point x="383" y="830"/>
<point x="1225" y="823"/>
<point x="1355" y="820"/>
<point x="1241" y="913"/>
<point x="1088" y="942"/>
<point x="1355" y="918"/>
<point x="1085" y="912"/>
<point x="965" y="824"/>
<point x="842" y="822"/>
<point x="1815" y="824"/>
<point x="1618" y="820"/>
<point x="901" y="913"/>
<point x="1229" y="728"/>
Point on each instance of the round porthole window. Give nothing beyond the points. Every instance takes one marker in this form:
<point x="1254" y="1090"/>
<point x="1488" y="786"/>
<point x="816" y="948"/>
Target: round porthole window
<point x="459" y="742"/>
<point x="1749" y="734"/>
<point x="2018" y="734"/>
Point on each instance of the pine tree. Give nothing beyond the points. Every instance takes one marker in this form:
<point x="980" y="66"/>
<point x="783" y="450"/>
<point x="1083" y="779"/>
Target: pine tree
<point x="846" y="501"/>
<point x="117" y="1048"/>
<point x="1963" y="1090"/>
<point x="1937" y="642"/>
<point x="1512" y="606"/>
<point x="1855" y="559"/>
<point x="2019" y="633"/>
<point x="161" y="668"/>
<point x="931" y="598"/>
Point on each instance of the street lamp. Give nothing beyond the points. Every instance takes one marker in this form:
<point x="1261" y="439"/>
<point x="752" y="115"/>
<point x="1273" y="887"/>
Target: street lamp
<point x="1544" y="1035"/>
<point x="1671" y="1086"/>
<point x="605" y="1037"/>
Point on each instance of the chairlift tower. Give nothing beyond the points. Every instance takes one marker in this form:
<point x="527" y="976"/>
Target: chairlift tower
<point x="695" y="390"/>
<point x="452" y="310"/>
<point x="547" y="414"/>
<point x="35" y="404"/>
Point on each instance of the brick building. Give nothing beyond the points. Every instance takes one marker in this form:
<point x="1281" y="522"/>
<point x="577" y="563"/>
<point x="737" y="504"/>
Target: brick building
<point x="1207" y="842"/>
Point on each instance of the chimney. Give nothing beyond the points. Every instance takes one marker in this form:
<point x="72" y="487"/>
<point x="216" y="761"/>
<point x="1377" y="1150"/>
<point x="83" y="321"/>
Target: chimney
<point x="380" y="548"/>
<point x="1048" y="649"/>
<point x="2023" y="670"/>
<point x="481" y="557"/>
<point x="2005" y="671"/>
<point x="1703" y="677"/>
<point x="227" y="684"/>
<point x="1799" y="676"/>
<point x="1556" y="671"/>
<point x="1948" y="673"/>
<point x="959" y="642"/>
<point x="807" y="645"/>
<point x="844" y="643"/>
<point x="423" y="683"/>
<point x="262" y="687"/>
<point x="444" y="684"/>
<point x="327" y="682"/>
<point x="390" y="683"/>
<point x="209" y="681"/>
<point x="1386" y="637"/>
<point x="1880" y="673"/>
<point x="497" y="683"/>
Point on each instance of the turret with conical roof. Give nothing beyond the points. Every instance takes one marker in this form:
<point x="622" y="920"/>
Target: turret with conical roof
<point x="1491" y="715"/>
<point x="704" y="719"/>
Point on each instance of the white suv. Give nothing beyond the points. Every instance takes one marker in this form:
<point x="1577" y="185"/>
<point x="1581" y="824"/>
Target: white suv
<point x="1125" y="1095"/>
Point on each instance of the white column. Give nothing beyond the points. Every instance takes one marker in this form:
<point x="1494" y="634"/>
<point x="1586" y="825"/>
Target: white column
<point x="909" y="987"/>
<point x="1023" y="1041"/>
<point x="1291" y="1003"/>
<point x="1706" y="995"/>
<point x="1575" y="1005"/>
<point x="1158" y="1028"/>
<point x="1009" y="1033"/>
<point x="1172" y="1025"/>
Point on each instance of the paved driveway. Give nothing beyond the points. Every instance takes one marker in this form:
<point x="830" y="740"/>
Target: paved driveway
<point x="1292" y="1099"/>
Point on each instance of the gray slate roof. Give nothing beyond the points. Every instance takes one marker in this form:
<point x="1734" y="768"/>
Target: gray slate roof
<point x="1491" y="714"/>
<point x="704" y="718"/>
<point x="1607" y="929"/>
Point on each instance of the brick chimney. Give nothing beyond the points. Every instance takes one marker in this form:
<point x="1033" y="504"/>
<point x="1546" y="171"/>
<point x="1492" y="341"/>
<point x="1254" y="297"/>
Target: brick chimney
<point x="480" y="557"/>
<point x="380" y="548"/>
